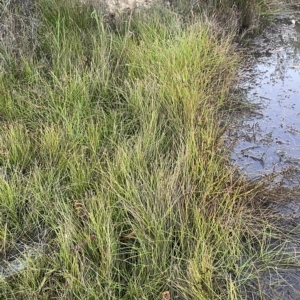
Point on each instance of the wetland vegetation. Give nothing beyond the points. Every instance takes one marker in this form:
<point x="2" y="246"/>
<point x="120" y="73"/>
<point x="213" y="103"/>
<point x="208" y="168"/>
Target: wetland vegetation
<point x="115" y="181"/>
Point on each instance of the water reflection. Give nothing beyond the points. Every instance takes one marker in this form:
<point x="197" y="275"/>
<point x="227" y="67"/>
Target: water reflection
<point x="268" y="140"/>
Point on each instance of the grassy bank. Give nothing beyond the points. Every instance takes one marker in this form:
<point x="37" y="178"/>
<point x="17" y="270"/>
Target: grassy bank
<point x="113" y="168"/>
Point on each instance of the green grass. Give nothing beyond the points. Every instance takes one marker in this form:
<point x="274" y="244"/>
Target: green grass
<point x="112" y="159"/>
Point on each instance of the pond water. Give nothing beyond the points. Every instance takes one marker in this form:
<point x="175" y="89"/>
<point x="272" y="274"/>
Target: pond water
<point x="268" y="138"/>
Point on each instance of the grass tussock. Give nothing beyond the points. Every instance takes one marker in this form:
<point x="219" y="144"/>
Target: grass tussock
<point x="112" y="164"/>
<point x="240" y="15"/>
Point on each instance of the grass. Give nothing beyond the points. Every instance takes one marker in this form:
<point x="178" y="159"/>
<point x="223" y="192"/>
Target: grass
<point x="113" y="168"/>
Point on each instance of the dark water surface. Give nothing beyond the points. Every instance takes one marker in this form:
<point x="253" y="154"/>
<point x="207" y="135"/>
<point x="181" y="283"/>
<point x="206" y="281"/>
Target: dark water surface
<point x="268" y="139"/>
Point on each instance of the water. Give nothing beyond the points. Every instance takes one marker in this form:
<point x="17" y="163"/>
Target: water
<point x="268" y="139"/>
